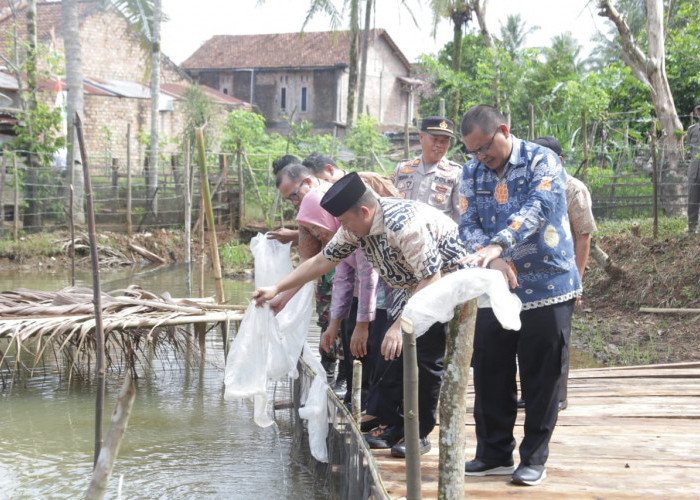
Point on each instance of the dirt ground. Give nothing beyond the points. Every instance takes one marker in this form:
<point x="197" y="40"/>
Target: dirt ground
<point x="661" y="273"/>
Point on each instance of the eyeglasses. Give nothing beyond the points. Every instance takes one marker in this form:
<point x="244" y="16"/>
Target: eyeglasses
<point x="483" y="149"/>
<point x="295" y="195"/>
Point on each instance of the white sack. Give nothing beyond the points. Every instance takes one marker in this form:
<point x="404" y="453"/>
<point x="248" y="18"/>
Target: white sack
<point x="267" y="347"/>
<point x="436" y="302"/>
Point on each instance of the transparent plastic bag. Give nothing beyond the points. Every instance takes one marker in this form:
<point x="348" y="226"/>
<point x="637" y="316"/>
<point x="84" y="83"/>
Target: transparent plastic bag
<point x="437" y="302"/>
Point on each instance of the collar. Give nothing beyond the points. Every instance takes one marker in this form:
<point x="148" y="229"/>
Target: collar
<point x="378" y="221"/>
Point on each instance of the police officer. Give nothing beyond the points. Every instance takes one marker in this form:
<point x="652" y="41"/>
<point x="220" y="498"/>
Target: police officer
<point x="432" y="178"/>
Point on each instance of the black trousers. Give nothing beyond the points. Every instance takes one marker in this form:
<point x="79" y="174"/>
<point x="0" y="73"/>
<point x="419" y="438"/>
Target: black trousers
<point x="386" y="396"/>
<point x="346" y="328"/>
<point x="539" y="346"/>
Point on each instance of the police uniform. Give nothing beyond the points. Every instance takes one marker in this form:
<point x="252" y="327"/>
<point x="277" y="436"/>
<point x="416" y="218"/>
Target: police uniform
<point x="436" y="184"/>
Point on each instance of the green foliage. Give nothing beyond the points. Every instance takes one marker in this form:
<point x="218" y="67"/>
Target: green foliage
<point x="198" y="112"/>
<point x="364" y="139"/>
<point x="303" y="142"/>
<point x="235" y="255"/>
<point x="246" y="129"/>
<point x="668" y="226"/>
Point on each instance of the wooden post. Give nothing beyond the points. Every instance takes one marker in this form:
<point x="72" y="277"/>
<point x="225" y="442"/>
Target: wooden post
<point x="188" y="209"/>
<point x="531" y="122"/>
<point x="407" y="141"/>
<point x="129" y="228"/>
<point x="115" y="184"/>
<point x="206" y="196"/>
<point x="442" y="106"/>
<point x="453" y="401"/>
<point x="97" y="292"/>
<point x="241" y="186"/>
<point x="357" y="390"/>
<point x="410" y="410"/>
<point x="115" y="433"/>
<point x="219" y="193"/>
<point x="72" y="237"/>
<point x="15" y="232"/>
<point x="655" y="180"/>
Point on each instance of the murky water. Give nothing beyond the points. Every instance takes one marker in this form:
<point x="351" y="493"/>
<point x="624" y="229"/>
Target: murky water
<point x="183" y="439"/>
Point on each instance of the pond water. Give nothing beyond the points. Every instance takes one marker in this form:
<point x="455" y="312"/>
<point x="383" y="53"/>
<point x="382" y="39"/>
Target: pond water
<point x="183" y="440"/>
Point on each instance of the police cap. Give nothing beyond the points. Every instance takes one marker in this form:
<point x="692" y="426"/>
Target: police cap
<point x="438" y="125"/>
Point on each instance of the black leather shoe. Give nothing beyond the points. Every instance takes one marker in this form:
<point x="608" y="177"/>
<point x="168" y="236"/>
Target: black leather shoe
<point x="384" y="437"/>
<point x="340" y="387"/>
<point x="521" y="403"/>
<point x="529" y="475"/>
<point x="563" y="405"/>
<point x="399" y="449"/>
<point x="478" y="467"/>
<point x="368" y="425"/>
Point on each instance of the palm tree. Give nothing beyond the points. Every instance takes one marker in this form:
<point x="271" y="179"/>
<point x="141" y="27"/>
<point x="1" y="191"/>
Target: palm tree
<point x="74" y="102"/>
<point x="460" y="13"/>
<point x="514" y="34"/>
<point x="146" y="16"/>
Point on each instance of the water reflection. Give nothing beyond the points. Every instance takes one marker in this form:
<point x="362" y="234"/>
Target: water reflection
<point x="183" y="439"/>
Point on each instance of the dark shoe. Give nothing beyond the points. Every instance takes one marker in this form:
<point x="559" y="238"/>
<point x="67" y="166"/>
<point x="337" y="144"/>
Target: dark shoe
<point x="368" y="425"/>
<point x="563" y="405"/>
<point x="384" y="437"/>
<point x="478" y="467"/>
<point x="529" y="475"/>
<point x="521" y="403"/>
<point x="340" y="388"/>
<point x="399" y="449"/>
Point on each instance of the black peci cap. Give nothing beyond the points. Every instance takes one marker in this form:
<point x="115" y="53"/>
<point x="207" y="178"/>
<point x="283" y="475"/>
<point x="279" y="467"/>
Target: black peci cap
<point x="437" y="125"/>
<point x="343" y="194"/>
<point x="697" y="104"/>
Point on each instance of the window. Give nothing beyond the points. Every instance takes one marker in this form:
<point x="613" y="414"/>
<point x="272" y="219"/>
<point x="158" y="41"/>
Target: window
<point x="283" y="99"/>
<point x="225" y="90"/>
<point x="304" y="100"/>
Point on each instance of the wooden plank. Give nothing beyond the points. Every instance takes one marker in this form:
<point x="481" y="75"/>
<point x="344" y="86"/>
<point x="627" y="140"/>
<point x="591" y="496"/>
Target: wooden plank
<point x="620" y="437"/>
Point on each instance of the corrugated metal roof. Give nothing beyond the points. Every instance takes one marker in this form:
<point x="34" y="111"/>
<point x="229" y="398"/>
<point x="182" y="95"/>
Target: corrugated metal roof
<point x="8" y="82"/>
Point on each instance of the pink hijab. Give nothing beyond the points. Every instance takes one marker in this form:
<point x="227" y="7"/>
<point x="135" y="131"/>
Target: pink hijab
<point x="310" y="211"/>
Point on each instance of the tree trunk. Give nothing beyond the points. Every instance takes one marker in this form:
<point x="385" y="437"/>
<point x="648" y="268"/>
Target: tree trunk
<point x="155" y="94"/>
<point x="352" y="69"/>
<point x="31" y="218"/>
<point x="70" y="25"/>
<point x="650" y="69"/>
<point x="456" y="67"/>
<point x="363" y="60"/>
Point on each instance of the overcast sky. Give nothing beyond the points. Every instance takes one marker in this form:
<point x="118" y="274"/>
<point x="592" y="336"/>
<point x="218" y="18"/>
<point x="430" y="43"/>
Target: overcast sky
<point x="192" y="22"/>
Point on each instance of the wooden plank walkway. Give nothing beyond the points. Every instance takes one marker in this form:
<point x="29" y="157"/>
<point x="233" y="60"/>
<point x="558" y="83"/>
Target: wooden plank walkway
<point x="629" y="432"/>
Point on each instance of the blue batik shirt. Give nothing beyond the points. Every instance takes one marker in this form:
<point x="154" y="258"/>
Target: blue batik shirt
<point x="408" y="242"/>
<point x="525" y="212"/>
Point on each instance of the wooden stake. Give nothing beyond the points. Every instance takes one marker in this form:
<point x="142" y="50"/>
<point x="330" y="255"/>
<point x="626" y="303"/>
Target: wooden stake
<point x="410" y="410"/>
<point x="97" y="292"/>
<point x="453" y="401"/>
<point x="206" y="197"/>
<point x="115" y="433"/>
<point x="357" y="390"/>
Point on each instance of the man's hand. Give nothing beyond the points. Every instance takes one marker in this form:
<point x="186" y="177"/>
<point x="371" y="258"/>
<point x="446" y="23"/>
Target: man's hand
<point x="392" y="343"/>
<point x="264" y="294"/>
<point x="328" y="338"/>
<point x="578" y="305"/>
<point x="508" y="273"/>
<point x="284" y="235"/>
<point x="482" y="257"/>
<point x="358" y="341"/>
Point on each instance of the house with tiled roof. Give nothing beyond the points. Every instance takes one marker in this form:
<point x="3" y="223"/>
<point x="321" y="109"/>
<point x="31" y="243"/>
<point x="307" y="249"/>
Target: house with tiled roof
<point x="293" y="77"/>
<point x="113" y="63"/>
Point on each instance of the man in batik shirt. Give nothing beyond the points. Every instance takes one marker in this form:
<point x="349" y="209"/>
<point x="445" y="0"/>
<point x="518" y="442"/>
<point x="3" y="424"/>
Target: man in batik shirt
<point x="410" y="245"/>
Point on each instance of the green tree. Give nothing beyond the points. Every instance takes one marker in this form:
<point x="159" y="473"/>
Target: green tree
<point x="365" y="140"/>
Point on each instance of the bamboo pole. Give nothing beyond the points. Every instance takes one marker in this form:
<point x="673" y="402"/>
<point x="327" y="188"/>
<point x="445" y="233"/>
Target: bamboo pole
<point x="410" y="410"/>
<point x="241" y="186"/>
<point x="97" y="293"/>
<point x="129" y="227"/>
<point x="15" y="215"/>
<point x="357" y="390"/>
<point x="206" y="196"/>
<point x="453" y="401"/>
<point x="584" y="135"/>
<point x="2" y="189"/>
<point x="655" y="180"/>
<point x="115" y="433"/>
<point x="72" y="237"/>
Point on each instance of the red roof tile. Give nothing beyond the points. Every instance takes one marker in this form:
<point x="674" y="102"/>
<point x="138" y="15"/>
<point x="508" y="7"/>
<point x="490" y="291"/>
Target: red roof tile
<point x="283" y="50"/>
